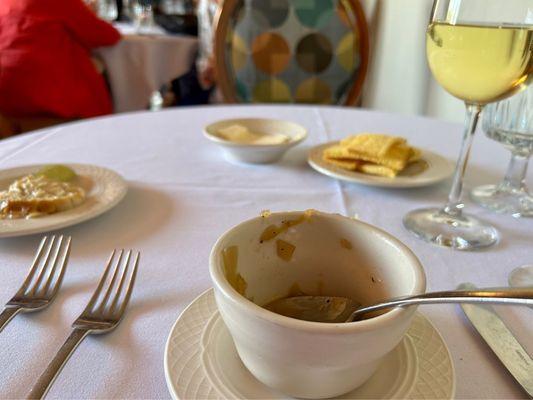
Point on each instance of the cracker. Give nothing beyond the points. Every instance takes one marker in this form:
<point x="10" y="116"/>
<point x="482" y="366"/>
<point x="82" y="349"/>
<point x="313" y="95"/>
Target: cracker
<point x="338" y="151"/>
<point x="416" y="154"/>
<point x="374" y="169"/>
<point x="372" y="144"/>
<point x="390" y="151"/>
<point x="371" y="153"/>
<point x="350" y="165"/>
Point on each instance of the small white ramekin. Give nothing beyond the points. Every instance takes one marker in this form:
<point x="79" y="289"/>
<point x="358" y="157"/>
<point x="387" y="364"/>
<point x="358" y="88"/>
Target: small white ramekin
<point x="256" y="153"/>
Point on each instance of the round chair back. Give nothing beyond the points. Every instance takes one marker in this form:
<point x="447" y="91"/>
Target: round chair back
<point x="291" y="51"/>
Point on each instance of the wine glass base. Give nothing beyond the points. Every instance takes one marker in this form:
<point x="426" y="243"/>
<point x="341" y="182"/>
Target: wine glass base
<point x="517" y="202"/>
<point x="461" y="232"/>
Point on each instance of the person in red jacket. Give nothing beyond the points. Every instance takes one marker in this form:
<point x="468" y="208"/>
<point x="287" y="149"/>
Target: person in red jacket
<point x="45" y="59"/>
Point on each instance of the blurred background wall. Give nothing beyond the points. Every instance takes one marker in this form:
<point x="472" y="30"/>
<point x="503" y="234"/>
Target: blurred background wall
<point x="399" y="79"/>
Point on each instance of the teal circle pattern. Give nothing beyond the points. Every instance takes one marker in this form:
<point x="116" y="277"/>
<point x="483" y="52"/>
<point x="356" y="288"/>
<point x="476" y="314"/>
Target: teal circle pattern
<point x="314" y="14"/>
<point x="242" y="91"/>
<point x="275" y="12"/>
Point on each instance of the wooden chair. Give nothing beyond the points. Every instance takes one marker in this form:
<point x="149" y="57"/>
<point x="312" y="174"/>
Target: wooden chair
<point x="291" y="51"/>
<point x="6" y="128"/>
<point x="10" y="126"/>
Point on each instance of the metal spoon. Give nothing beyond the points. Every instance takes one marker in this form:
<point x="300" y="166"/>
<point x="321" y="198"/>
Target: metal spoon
<point x="342" y="309"/>
<point x="521" y="276"/>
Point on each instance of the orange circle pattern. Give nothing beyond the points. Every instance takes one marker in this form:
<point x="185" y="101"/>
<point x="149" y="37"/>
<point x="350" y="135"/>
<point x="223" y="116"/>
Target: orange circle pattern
<point x="271" y="53"/>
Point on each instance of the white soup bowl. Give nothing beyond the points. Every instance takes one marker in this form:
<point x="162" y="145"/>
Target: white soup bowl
<point x="315" y="254"/>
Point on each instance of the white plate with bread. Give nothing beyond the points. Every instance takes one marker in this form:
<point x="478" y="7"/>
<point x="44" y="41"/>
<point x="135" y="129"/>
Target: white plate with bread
<point x="102" y="189"/>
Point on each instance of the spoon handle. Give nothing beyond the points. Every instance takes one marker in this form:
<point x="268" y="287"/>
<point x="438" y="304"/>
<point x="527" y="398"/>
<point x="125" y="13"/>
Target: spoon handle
<point x="514" y="296"/>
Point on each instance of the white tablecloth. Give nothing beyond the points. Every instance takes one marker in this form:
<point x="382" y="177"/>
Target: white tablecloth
<point x="183" y="195"/>
<point x="139" y="64"/>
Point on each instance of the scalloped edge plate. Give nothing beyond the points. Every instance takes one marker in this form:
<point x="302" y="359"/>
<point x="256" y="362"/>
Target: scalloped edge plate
<point x="107" y="189"/>
<point x="201" y="362"/>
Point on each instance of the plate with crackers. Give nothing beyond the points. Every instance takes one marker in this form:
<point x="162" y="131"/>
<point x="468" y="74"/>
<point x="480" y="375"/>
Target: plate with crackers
<point x="379" y="160"/>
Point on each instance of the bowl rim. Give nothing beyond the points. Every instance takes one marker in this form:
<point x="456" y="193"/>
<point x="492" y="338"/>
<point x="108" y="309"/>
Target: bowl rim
<point x="294" y="140"/>
<point x="222" y="285"/>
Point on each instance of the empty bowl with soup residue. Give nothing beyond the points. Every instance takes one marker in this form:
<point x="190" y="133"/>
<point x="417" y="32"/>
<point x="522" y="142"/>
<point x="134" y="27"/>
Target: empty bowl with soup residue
<point x="311" y="253"/>
<point x="255" y="140"/>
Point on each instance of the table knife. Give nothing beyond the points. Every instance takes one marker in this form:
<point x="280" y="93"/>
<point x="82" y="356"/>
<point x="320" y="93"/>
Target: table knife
<point x="502" y="342"/>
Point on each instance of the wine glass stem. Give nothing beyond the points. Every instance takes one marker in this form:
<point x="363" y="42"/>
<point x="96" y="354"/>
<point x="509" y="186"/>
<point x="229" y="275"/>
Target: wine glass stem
<point x="454" y="204"/>
<point x="516" y="172"/>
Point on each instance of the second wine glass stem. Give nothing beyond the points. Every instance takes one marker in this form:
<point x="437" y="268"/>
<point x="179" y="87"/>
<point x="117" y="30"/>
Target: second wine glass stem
<point x="516" y="172"/>
<point x="454" y="205"/>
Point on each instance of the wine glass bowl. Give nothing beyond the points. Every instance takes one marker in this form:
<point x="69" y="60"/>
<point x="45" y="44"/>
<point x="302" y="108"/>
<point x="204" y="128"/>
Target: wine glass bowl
<point x="140" y="12"/>
<point x="510" y="122"/>
<point x="480" y="52"/>
<point x="458" y="58"/>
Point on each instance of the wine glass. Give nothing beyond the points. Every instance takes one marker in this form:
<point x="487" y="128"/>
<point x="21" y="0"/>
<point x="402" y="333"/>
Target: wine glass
<point x="141" y="12"/>
<point x="105" y="9"/>
<point x="510" y="122"/>
<point x="479" y="51"/>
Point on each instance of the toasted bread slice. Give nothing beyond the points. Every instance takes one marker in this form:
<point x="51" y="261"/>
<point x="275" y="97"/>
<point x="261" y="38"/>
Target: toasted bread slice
<point x="35" y="195"/>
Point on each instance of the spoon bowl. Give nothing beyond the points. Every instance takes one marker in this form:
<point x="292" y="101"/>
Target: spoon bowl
<point x="341" y="309"/>
<point x="315" y="308"/>
<point x="521" y="276"/>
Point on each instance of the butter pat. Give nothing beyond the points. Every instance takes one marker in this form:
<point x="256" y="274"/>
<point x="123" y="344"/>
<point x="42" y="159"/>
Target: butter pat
<point x="241" y="134"/>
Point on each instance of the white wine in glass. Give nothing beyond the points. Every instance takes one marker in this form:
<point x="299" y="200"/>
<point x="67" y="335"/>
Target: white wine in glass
<point x="479" y="64"/>
<point x="480" y="51"/>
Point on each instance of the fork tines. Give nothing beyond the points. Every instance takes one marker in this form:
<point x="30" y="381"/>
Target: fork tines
<point x="114" y="289"/>
<point x="48" y="268"/>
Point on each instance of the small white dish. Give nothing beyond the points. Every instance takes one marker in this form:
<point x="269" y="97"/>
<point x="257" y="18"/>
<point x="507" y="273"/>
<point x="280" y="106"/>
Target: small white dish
<point x="256" y="153"/>
<point x="201" y="362"/>
<point x="104" y="189"/>
<point x="437" y="169"/>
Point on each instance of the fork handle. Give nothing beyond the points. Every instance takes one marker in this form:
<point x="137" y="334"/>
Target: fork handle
<point x="7" y="315"/>
<point x="46" y="379"/>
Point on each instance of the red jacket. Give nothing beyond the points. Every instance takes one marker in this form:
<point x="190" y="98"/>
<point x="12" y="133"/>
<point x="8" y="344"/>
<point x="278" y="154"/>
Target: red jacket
<point x="45" y="65"/>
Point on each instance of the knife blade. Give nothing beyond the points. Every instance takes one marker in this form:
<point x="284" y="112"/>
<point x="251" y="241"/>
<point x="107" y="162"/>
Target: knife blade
<point x="502" y="342"/>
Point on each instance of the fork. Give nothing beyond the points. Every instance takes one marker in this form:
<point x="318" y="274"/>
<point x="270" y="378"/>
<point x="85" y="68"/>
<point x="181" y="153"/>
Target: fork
<point x="43" y="280"/>
<point x="102" y="314"/>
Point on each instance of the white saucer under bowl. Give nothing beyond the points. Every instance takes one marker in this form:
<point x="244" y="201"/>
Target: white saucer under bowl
<point x="201" y="362"/>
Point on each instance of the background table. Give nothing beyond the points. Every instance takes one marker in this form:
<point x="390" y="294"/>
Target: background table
<point x="183" y="195"/>
<point x="140" y="64"/>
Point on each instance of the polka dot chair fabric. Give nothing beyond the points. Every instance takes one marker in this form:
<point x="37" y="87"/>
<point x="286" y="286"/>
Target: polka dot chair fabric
<point x="291" y="51"/>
